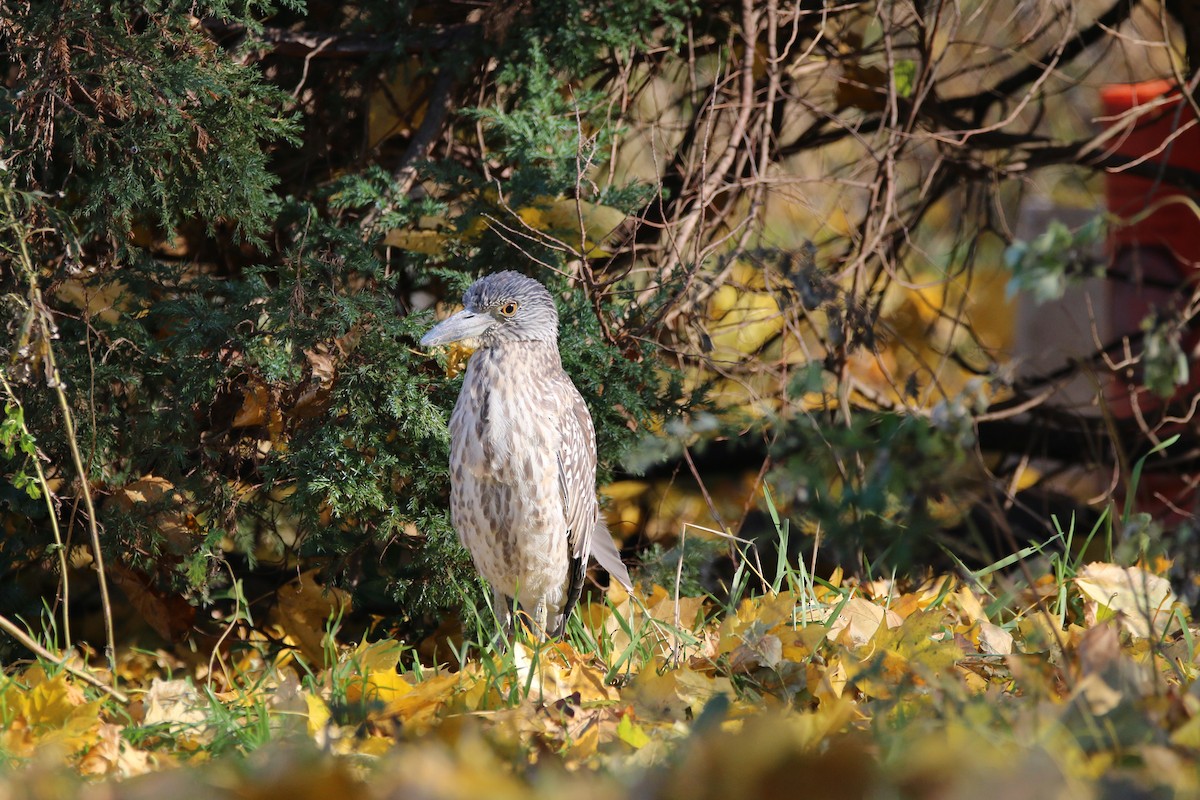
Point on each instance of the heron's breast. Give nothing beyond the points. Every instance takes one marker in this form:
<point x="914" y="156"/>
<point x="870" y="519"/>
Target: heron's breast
<point x="505" y="422"/>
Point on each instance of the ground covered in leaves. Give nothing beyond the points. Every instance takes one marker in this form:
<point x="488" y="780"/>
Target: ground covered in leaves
<point x="1082" y="686"/>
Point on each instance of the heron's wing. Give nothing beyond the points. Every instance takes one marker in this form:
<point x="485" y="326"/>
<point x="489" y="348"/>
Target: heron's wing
<point x="587" y="533"/>
<point x="577" y="482"/>
<point x="577" y="472"/>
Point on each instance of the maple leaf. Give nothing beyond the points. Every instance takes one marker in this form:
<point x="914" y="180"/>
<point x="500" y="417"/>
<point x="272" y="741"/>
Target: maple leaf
<point x="51" y="713"/>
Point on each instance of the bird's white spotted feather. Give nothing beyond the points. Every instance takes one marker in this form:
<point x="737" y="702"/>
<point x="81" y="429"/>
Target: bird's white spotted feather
<point x="523" y="457"/>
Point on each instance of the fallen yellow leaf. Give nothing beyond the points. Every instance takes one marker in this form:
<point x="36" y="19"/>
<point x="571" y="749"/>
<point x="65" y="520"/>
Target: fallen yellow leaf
<point x="1141" y="600"/>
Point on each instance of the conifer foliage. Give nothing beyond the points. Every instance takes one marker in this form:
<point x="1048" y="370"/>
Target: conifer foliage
<point x="192" y="270"/>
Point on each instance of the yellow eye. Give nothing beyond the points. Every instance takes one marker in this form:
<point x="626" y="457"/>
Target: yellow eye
<point x="508" y="309"/>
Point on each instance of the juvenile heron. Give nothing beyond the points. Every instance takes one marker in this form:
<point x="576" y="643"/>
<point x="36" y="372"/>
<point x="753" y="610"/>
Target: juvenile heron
<point x="523" y="455"/>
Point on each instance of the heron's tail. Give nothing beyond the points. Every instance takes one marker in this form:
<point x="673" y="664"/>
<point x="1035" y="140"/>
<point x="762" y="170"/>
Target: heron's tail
<point x="604" y="550"/>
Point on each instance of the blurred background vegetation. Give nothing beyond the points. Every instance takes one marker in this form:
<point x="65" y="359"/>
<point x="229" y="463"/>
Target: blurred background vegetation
<point x="790" y="242"/>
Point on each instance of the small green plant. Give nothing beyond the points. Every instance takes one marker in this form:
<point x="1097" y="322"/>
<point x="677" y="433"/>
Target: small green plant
<point x="14" y="437"/>
<point x="870" y="486"/>
<point x="1044" y="266"/>
<point x="1166" y="366"/>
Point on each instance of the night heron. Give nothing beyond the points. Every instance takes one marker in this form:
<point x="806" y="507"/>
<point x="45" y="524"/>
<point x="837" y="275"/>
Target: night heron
<point x="523" y="455"/>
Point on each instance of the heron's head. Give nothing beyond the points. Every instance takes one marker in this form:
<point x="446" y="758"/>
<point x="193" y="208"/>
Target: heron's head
<point x="504" y="307"/>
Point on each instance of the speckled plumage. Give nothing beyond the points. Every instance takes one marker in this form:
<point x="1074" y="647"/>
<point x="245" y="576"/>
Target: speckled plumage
<point x="523" y="454"/>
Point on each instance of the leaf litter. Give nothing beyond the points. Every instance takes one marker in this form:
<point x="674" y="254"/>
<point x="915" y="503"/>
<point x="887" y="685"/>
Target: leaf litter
<point x="876" y="691"/>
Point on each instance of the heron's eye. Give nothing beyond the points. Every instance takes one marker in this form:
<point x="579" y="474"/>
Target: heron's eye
<point x="509" y="308"/>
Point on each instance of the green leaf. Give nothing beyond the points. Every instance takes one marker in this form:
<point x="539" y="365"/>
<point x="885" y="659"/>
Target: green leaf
<point x="631" y="733"/>
<point x="904" y="76"/>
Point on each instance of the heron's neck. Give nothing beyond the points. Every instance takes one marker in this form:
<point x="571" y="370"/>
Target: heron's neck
<point x="518" y="357"/>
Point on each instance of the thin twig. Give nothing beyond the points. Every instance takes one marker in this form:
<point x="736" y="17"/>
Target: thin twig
<point x="60" y="661"/>
<point x="441" y="97"/>
<point x="54" y="381"/>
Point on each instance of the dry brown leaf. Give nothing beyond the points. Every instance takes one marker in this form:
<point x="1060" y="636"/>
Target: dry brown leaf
<point x="675" y="694"/>
<point x="304" y="610"/>
<point x="1100" y="697"/>
<point x="171" y="518"/>
<point x="114" y="755"/>
<point x="665" y="615"/>
<point x="179" y="706"/>
<point x="418" y="709"/>
<point x="170" y="615"/>
<point x="1142" y="601"/>
<point x="859" y="620"/>
<point x="314" y="396"/>
<point x="256" y="402"/>
<point x="971" y="608"/>
<point x="759" y="649"/>
<point x="399" y="104"/>
<point x="560" y="673"/>
<point x="105" y="301"/>
<point x="428" y="242"/>
<point x="994" y="640"/>
<point x="800" y="644"/>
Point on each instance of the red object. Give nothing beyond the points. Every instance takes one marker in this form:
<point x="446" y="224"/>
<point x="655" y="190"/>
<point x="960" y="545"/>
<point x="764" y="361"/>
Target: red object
<point x="1162" y="249"/>
<point x="1174" y="226"/>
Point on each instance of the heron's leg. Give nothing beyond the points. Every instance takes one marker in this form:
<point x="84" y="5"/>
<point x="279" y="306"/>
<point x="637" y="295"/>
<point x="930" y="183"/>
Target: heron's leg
<point x="539" y="619"/>
<point x="503" y="607"/>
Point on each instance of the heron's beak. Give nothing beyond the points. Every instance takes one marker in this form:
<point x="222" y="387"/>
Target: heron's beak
<point x="458" y="327"/>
